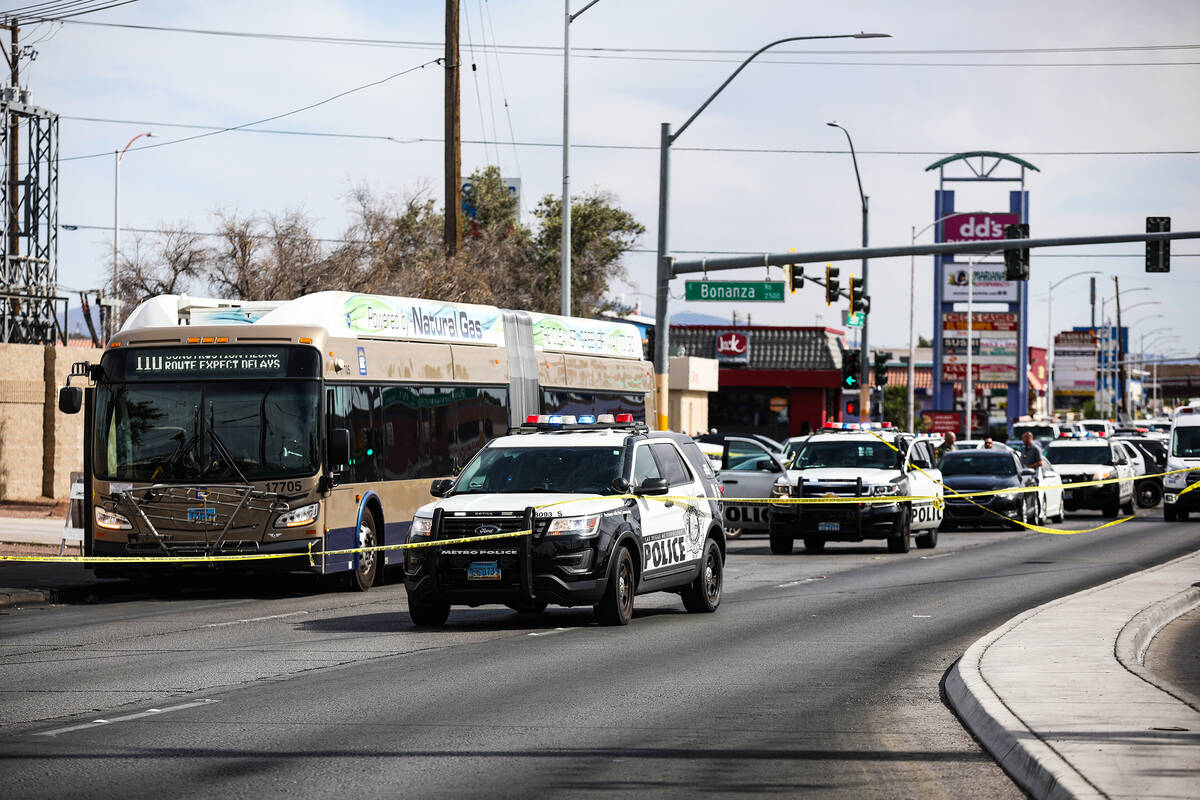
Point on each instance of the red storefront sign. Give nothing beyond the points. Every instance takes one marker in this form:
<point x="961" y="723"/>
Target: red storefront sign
<point x="947" y="421"/>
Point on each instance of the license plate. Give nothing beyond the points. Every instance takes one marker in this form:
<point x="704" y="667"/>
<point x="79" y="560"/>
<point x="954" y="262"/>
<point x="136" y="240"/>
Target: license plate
<point x="829" y="526"/>
<point x="1067" y="494"/>
<point x="483" y="571"/>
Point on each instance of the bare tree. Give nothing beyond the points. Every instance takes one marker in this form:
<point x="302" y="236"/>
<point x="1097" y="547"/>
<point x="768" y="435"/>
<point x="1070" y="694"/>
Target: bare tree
<point x="170" y="262"/>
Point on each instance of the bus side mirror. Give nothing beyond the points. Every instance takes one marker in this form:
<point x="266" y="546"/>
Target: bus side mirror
<point x="339" y="447"/>
<point x="70" y="399"/>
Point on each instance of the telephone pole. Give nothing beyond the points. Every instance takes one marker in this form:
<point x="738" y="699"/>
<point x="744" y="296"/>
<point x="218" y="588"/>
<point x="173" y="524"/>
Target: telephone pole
<point x="14" y="199"/>
<point x="453" y="231"/>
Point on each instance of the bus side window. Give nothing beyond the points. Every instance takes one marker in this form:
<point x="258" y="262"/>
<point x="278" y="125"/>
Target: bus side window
<point x="356" y="408"/>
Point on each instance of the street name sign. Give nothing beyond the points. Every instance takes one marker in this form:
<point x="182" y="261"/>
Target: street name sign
<point x="736" y="291"/>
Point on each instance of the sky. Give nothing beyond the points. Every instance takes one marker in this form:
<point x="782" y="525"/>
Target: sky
<point x="1100" y="97"/>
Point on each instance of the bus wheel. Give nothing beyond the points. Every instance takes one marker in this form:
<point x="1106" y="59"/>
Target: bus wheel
<point x="363" y="576"/>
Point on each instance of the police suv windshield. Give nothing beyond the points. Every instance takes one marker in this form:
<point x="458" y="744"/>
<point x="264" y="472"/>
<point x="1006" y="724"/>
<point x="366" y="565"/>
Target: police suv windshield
<point x="1068" y="454"/>
<point x="575" y="470"/>
<point x="846" y="454"/>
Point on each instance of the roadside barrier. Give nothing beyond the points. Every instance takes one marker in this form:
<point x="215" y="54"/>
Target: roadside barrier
<point x="938" y="502"/>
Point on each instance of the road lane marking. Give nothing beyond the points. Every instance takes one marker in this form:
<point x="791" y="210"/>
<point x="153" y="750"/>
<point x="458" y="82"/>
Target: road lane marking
<point x="939" y="555"/>
<point x="254" y="619"/>
<point x="549" y="633"/>
<point x="150" y="712"/>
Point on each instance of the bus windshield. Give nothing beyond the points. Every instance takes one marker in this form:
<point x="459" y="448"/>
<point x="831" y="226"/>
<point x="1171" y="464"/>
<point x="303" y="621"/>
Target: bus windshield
<point x="211" y="432"/>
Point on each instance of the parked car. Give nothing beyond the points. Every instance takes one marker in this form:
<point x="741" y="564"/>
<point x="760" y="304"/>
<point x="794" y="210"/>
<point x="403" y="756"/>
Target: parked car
<point x="746" y="468"/>
<point x="969" y="471"/>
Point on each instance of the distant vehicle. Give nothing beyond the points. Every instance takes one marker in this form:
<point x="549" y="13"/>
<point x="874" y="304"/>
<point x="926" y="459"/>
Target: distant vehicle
<point x="1082" y="461"/>
<point x="977" y="444"/>
<point x="746" y="468"/>
<point x="718" y="438"/>
<point x="969" y="471"/>
<point x="847" y="461"/>
<point x="1152" y="453"/>
<point x="1042" y="431"/>
<point x="1184" y="454"/>
<point x="1100" y="427"/>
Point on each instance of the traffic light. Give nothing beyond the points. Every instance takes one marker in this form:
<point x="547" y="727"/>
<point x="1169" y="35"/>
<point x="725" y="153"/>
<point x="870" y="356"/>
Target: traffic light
<point x="1016" y="262"/>
<point x="832" y="284"/>
<point x="850" y="368"/>
<point x="857" y="300"/>
<point x="1158" y="254"/>
<point x="795" y="276"/>
<point x="881" y="360"/>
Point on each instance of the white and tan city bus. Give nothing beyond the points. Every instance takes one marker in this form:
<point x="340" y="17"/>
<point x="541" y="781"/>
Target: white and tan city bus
<point x="217" y="427"/>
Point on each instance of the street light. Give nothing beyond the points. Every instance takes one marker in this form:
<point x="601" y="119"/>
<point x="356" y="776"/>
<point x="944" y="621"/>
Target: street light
<point x="117" y="156"/>
<point x="1050" y="337"/>
<point x="864" y="383"/>
<point x="568" y="18"/>
<point x="666" y="139"/>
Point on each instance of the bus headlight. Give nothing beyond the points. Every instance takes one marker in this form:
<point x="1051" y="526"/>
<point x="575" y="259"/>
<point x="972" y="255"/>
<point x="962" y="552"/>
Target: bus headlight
<point x="574" y="526"/>
<point x="304" y="515"/>
<point x="112" y="520"/>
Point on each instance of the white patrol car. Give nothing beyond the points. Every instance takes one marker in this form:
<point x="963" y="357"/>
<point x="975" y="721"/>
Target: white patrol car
<point x="1082" y="461"/>
<point x="852" y="460"/>
<point x="616" y="510"/>
<point x="1183" y="453"/>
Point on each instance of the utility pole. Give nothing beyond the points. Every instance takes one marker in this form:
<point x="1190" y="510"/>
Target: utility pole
<point x="453" y="230"/>
<point x="1120" y="356"/>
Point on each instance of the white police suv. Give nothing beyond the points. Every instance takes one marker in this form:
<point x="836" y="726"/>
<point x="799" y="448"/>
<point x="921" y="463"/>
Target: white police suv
<point x="846" y="460"/>
<point x="1183" y="453"/>
<point x="1081" y="462"/>
<point x="615" y="511"/>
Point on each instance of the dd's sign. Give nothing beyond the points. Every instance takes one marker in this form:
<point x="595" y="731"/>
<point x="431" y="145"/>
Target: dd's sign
<point x="977" y="227"/>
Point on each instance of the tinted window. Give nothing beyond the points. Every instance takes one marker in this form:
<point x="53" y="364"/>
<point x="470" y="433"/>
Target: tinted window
<point x="560" y="401"/>
<point x="356" y="408"/>
<point x="745" y="455"/>
<point x="674" y="470"/>
<point x="1069" y="454"/>
<point x="848" y="453"/>
<point x="644" y="466"/>
<point x="975" y="463"/>
<point x="431" y="431"/>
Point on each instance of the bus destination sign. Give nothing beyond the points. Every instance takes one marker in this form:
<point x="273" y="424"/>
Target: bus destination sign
<point x="203" y="363"/>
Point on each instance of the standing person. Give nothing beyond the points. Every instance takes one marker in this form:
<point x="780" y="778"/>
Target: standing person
<point x="1031" y="453"/>
<point x="947" y="445"/>
<point x="988" y="444"/>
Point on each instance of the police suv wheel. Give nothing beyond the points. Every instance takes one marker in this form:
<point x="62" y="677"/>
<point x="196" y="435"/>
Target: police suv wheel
<point x="1127" y="506"/>
<point x="813" y="544"/>
<point x="430" y="612"/>
<point x="733" y="533"/>
<point x="901" y="540"/>
<point x="928" y="539"/>
<point x="703" y="595"/>
<point x="781" y="543"/>
<point x="616" y="606"/>
<point x="1149" y="494"/>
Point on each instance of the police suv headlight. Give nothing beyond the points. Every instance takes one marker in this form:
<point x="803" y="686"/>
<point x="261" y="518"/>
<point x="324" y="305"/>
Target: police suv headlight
<point x="421" y="528"/>
<point x="574" y="526"/>
<point x="112" y="520"/>
<point x="304" y="515"/>
<point x="1101" y="476"/>
<point x="885" y="489"/>
<point x="781" y="488"/>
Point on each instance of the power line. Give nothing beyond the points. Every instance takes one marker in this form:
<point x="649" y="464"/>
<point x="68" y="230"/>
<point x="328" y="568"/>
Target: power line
<point x="62" y="10"/>
<point x="555" y="50"/>
<point x="515" y="143"/>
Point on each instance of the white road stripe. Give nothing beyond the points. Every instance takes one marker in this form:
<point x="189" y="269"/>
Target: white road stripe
<point x="150" y="712"/>
<point x="549" y="633"/>
<point x="802" y="580"/>
<point x="254" y="619"/>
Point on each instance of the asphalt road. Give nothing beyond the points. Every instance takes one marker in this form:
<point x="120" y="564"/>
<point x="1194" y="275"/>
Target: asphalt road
<point x="818" y="675"/>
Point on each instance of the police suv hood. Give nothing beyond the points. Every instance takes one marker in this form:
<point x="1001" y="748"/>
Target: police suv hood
<point x="553" y="505"/>
<point x="870" y="477"/>
<point x="1074" y="470"/>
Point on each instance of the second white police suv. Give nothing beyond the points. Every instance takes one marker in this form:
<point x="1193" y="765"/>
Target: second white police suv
<point x="615" y="511"/>
<point x="866" y="460"/>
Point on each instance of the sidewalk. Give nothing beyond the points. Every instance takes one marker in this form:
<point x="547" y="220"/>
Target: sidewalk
<point x="1060" y="696"/>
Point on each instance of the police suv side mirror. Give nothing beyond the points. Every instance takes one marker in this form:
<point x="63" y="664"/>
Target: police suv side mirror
<point x="70" y="399"/>
<point x="652" y="486"/>
<point x="1028" y="473"/>
<point x="339" y="447"/>
<point x="620" y="485"/>
<point x="440" y="487"/>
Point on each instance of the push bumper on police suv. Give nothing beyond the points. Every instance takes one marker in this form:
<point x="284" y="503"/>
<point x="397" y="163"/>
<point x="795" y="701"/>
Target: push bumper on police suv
<point x="836" y="521"/>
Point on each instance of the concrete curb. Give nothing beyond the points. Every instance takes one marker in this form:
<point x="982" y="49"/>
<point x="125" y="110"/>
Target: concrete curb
<point x="1034" y="764"/>
<point x="16" y="598"/>
<point x="1135" y="638"/>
